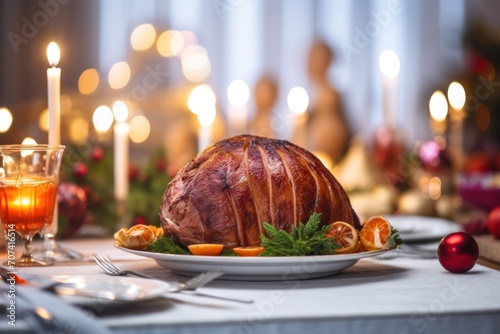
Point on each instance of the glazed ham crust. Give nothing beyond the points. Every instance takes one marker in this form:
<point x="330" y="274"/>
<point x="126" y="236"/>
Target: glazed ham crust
<point x="227" y="191"/>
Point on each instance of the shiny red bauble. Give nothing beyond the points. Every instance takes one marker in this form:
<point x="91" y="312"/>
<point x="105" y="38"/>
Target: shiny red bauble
<point x="493" y="222"/>
<point x="458" y="252"/>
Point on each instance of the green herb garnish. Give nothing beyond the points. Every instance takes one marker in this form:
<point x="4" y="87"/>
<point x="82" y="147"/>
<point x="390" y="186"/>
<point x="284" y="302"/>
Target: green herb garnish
<point x="394" y="238"/>
<point x="166" y="244"/>
<point x="308" y="239"/>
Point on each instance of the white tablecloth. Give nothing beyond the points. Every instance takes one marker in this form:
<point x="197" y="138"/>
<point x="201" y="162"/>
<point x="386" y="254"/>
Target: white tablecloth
<point x="374" y="296"/>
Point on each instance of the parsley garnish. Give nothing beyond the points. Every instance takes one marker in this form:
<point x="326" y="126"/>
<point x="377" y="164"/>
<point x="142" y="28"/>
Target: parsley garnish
<point x="308" y="239"/>
<point x="394" y="239"/>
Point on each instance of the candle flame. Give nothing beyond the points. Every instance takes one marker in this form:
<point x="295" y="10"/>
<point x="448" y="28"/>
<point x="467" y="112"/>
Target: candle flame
<point x="456" y="95"/>
<point x="53" y="54"/>
<point x="206" y="117"/>
<point x="120" y="111"/>
<point x="298" y="100"/>
<point x="389" y="63"/>
<point x="438" y="106"/>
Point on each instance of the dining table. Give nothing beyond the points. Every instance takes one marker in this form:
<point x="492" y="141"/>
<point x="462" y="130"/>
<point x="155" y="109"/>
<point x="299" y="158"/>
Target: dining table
<point x="396" y="294"/>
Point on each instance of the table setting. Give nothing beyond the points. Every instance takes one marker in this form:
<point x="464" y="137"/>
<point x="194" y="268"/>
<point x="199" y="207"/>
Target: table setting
<point x="174" y="197"/>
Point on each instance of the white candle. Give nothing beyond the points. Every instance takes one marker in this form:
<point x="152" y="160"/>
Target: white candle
<point x="54" y="106"/>
<point x="238" y="94"/>
<point x="206" y="118"/>
<point x="389" y="65"/>
<point x="456" y="97"/>
<point x="298" y="102"/>
<point x="54" y="94"/>
<point x="121" y="150"/>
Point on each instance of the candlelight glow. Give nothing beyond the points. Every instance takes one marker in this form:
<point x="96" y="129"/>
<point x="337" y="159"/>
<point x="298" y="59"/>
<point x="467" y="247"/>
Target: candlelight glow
<point x="143" y="37"/>
<point x="120" y="111"/>
<point x="238" y="93"/>
<point x="139" y="129"/>
<point x="389" y="63"/>
<point x="298" y="100"/>
<point x="207" y="116"/>
<point x="435" y="188"/>
<point x="88" y="81"/>
<point x="195" y="63"/>
<point x="78" y="130"/>
<point x="29" y="141"/>
<point x="200" y="98"/>
<point x="5" y="120"/>
<point x="43" y="120"/>
<point x="102" y="119"/>
<point x="53" y="54"/>
<point x="438" y="106"/>
<point x="456" y="95"/>
<point x="119" y="75"/>
<point x="170" y="43"/>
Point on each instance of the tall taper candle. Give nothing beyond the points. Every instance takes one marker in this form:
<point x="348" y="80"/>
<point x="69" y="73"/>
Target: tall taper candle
<point x="54" y="106"/>
<point x="54" y="94"/>
<point x="121" y="147"/>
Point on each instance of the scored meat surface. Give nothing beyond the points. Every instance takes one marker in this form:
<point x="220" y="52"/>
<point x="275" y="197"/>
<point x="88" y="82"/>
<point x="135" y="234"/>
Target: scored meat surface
<point x="228" y="190"/>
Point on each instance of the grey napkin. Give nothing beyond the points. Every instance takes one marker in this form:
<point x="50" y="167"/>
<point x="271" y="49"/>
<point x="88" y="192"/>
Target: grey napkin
<point x="44" y="312"/>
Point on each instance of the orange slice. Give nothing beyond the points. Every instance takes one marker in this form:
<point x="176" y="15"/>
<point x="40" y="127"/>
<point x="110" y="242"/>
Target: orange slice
<point x="346" y="236"/>
<point x="248" y="251"/>
<point x="375" y="233"/>
<point x="206" y="249"/>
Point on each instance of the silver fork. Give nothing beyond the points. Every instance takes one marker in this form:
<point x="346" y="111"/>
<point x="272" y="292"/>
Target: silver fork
<point x="191" y="285"/>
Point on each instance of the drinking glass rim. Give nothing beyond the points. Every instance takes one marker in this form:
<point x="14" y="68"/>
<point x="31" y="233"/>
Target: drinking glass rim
<point x="31" y="147"/>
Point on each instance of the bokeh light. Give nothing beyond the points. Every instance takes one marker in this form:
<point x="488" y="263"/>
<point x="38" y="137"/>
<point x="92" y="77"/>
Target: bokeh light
<point x="119" y="75"/>
<point x="389" y="63"/>
<point x="120" y="111"/>
<point x="200" y="98"/>
<point x="170" y="43"/>
<point x="5" y="120"/>
<point x="43" y="120"/>
<point x="143" y="37"/>
<point x="139" y="129"/>
<point x="102" y="119"/>
<point x="88" y="81"/>
<point x="238" y="93"/>
<point x="456" y="95"/>
<point x="28" y="141"/>
<point x="195" y="63"/>
<point x="438" y="106"/>
<point x="298" y="100"/>
<point x="207" y="116"/>
<point x="78" y="130"/>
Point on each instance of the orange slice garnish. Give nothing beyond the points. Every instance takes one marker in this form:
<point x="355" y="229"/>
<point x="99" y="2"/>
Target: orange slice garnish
<point x="206" y="249"/>
<point x="249" y="250"/>
<point x="375" y="233"/>
<point x="346" y="236"/>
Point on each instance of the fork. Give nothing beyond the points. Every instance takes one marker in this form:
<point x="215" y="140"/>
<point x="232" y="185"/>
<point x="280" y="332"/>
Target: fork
<point x="191" y="285"/>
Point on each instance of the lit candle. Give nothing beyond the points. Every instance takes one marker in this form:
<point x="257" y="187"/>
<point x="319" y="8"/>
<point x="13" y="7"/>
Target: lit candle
<point x="54" y="94"/>
<point x="201" y="102"/>
<point x="438" y="107"/>
<point x="121" y="131"/>
<point x="298" y="101"/>
<point x="238" y="94"/>
<point x="389" y="66"/>
<point x="456" y="97"/>
<point x="206" y="118"/>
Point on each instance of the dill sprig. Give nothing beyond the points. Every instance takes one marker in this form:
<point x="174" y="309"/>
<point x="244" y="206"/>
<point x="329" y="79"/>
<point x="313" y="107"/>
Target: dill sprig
<point x="306" y="239"/>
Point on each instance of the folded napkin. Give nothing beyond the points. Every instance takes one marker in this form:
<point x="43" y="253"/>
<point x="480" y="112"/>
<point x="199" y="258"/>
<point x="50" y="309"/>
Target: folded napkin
<point x="44" y="312"/>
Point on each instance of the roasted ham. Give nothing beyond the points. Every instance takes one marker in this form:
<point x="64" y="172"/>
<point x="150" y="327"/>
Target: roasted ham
<point x="228" y="190"/>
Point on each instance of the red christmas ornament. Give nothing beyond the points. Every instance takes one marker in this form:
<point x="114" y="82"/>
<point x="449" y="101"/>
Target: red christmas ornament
<point x="80" y="169"/>
<point x="458" y="252"/>
<point x="140" y="220"/>
<point x="493" y="222"/>
<point x="97" y="154"/>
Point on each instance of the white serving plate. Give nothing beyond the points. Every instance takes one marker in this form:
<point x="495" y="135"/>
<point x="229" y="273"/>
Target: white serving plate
<point x="258" y="268"/>
<point x="421" y="228"/>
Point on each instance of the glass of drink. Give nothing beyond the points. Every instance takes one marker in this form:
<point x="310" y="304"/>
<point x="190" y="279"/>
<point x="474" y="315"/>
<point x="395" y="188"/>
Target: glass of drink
<point x="29" y="175"/>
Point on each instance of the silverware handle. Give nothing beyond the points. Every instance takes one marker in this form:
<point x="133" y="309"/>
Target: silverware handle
<point x="135" y="273"/>
<point x="196" y="293"/>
